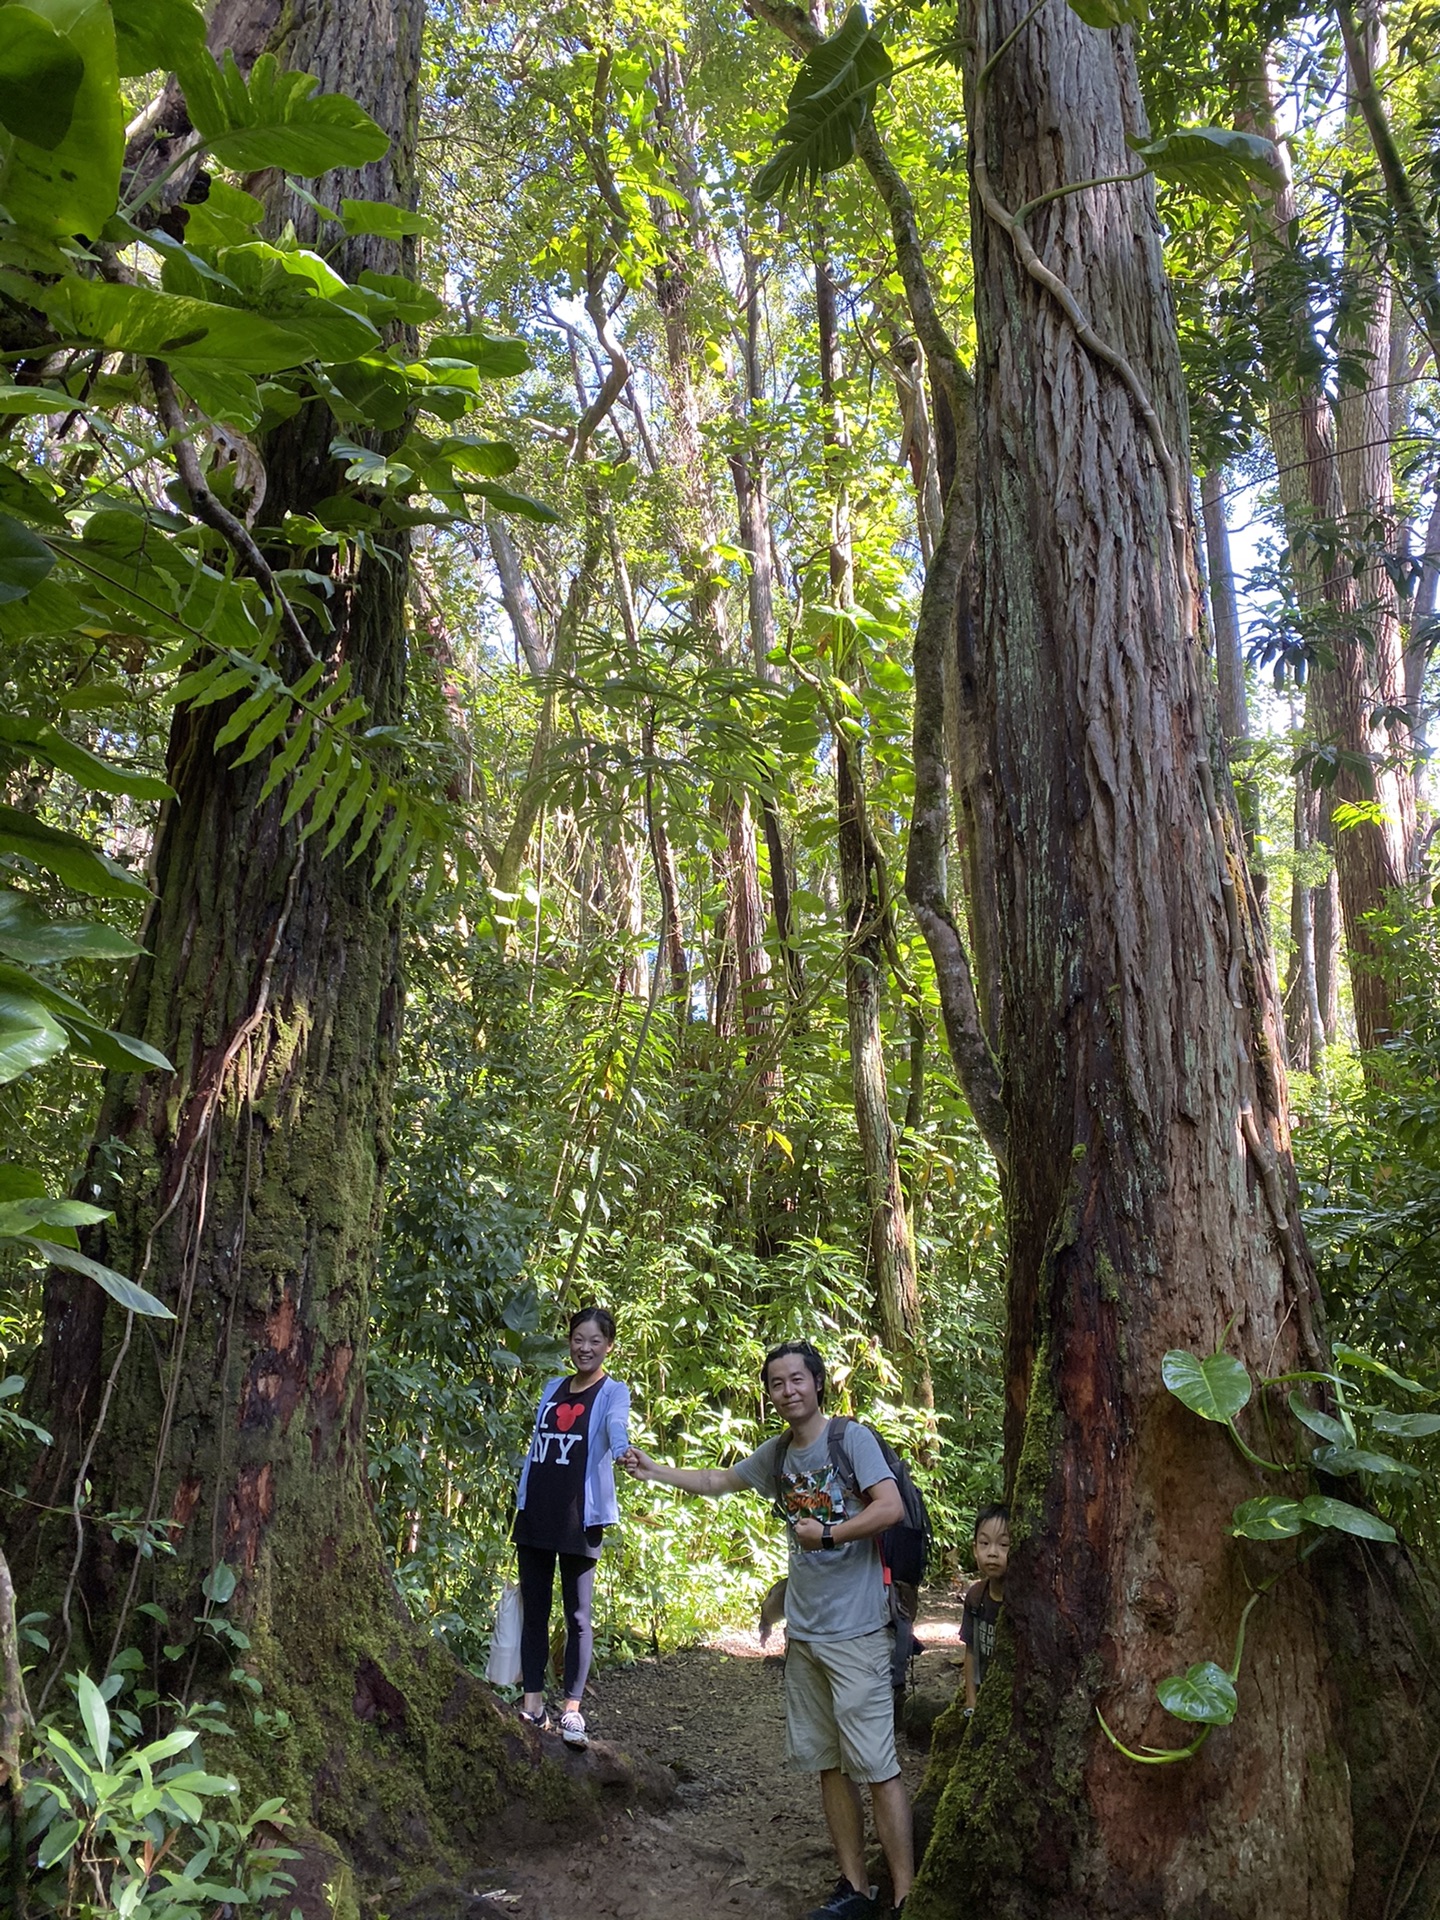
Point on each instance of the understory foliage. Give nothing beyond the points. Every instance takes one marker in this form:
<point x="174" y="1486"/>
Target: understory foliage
<point x="647" y="394"/>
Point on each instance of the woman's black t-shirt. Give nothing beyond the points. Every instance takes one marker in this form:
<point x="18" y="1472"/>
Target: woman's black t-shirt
<point x="553" y="1515"/>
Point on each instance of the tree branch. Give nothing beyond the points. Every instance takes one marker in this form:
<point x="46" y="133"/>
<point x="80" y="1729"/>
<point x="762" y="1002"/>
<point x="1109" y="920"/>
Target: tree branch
<point x="233" y="531"/>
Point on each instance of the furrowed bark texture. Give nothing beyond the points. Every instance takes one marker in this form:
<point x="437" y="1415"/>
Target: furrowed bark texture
<point x="248" y="1189"/>
<point x="1365" y="671"/>
<point x="1150" y="1198"/>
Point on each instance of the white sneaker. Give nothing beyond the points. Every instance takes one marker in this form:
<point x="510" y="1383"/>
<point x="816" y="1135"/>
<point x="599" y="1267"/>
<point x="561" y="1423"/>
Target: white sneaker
<point x="572" y="1729"/>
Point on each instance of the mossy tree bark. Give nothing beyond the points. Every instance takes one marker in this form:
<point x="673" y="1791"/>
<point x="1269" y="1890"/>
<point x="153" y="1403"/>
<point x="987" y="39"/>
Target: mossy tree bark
<point x="248" y="1189"/>
<point x="1150" y="1198"/>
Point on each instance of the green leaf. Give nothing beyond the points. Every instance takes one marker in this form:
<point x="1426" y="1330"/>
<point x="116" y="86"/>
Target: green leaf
<point x="68" y="857"/>
<point x="278" y="119"/>
<point x="1321" y="1511"/>
<point x="481" y="459"/>
<point x="1328" y="1428"/>
<point x="29" y="1036"/>
<point x="108" y="1047"/>
<point x="171" y="326"/>
<point x="1204" y="1693"/>
<point x="24" y="557"/>
<point x="1219" y="162"/>
<point x="43" y="742"/>
<point x="59" y="1841"/>
<point x="380" y="218"/>
<point x="33" y="400"/>
<point x="1409" y="1426"/>
<point x="134" y="1299"/>
<point x="1343" y="1460"/>
<point x="219" y="1584"/>
<point x="1216" y="1388"/>
<point x="40" y="75"/>
<point x="155" y="34"/>
<point x="833" y="95"/>
<point x="30" y="936"/>
<point x="1345" y="1356"/>
<point x="408" y="299"/>
<point x="95" y="1715"/>
<point x="1111" y="13"/>
<point x="72" y="187"/>
<point x="21" y="1217"/>
<point x="227" y="396"/>
<point x="1268" y="1518"/>
<point x="494" y="356"/>
<point x="505" y="501"/>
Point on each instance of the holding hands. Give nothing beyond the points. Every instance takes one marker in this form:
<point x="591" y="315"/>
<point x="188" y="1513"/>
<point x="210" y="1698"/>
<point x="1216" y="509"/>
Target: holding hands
<point x="637" y="1464"/>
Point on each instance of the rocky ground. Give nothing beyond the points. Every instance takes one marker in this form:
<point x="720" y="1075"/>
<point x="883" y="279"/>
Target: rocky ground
<point x="745" y="1837"/>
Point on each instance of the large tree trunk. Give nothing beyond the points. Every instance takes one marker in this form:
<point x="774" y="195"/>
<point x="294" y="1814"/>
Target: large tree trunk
<point x="1149" y="1194"/>
<point x="248" y="1189"/>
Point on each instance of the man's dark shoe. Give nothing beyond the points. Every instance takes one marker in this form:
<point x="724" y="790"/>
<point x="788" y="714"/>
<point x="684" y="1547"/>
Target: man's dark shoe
<point x="845" y="1904"/>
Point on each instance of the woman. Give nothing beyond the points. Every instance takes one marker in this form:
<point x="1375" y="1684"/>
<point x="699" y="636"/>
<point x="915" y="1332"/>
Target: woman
<point x="564" y="1503"/>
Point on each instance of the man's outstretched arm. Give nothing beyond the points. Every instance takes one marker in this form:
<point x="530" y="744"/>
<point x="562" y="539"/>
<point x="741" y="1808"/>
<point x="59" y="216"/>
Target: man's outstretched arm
<point x="711" y="1480"/>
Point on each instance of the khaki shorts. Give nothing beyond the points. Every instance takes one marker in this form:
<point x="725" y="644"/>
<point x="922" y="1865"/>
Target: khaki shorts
<point x="839" y="1707"/>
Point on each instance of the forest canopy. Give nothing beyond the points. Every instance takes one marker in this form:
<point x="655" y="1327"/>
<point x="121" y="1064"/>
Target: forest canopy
<point x="776" y="669"/>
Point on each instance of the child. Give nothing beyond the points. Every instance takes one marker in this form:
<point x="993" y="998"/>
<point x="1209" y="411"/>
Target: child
<point x="985" y="1598"/>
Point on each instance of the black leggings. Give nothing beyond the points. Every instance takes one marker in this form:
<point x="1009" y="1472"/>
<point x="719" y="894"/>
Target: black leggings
<point x="537" y="1584"/>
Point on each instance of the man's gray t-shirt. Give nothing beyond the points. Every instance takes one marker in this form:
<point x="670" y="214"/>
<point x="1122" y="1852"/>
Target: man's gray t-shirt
<point x="839" y="1594"/>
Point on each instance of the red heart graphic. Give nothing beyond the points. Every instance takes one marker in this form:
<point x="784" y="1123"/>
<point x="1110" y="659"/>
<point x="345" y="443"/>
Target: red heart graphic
<point x="567" y="1413"/>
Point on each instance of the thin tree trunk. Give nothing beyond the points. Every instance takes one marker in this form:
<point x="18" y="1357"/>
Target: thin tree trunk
<point x="1304" y="1026"/>
<point x="1371" y="855"/>
<point x="865" y="908"/>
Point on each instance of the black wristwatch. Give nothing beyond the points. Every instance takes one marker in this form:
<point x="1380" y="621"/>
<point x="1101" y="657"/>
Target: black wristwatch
<point x="827" y="1538"/>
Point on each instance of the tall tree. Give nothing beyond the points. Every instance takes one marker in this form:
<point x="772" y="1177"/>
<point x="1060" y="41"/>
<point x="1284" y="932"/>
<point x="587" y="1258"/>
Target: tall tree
<point x="1149" y="1195"/>
<point x="250" y="1182"/>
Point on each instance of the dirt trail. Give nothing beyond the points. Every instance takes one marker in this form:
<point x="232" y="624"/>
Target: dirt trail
<point x="745" y="1837"/>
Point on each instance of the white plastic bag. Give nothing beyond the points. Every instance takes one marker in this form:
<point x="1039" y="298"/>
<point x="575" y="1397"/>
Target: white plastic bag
<point x="503" y="1669"/>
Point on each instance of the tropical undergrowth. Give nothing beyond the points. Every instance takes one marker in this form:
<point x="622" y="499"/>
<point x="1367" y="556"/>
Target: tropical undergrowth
<point x="540" y="1165"/>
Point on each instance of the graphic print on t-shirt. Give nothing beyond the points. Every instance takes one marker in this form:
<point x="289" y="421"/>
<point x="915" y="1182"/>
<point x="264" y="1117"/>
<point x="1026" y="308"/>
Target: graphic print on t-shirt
<point x="553" y="1515"/>
<point x="817" y="1496"/>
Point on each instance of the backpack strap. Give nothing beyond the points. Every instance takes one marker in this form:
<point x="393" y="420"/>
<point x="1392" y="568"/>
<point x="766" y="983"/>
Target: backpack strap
<point x="975" y="1593"/>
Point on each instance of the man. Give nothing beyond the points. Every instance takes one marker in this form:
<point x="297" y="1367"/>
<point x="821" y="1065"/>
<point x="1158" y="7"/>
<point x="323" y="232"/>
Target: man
<point x="839" y="1714"/>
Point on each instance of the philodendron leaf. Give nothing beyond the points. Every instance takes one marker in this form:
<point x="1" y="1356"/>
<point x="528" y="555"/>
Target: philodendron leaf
<point x="70" y="187"/>
<point x="1111" y="13"/>
<point x="1216" y="1388"/>
<point x="1337" y="1432"/>
<point x="43" y="742"/>
<point x="68" y="857"/>
<point x="172" y="326"/>
<point x="134" y="1299"/>
<point x="24" y="1216"/>
<point x="40" y="75"/>
<point x="277" y="119"/>
<point x="24" y="557"/>
<point x="1343" y="1460"/>
<point x="1409" y="1426"/>
<point x="1268" y="1518"/>
<point x="1345" y="1356"/>
<point x="157" y="35"/>
<point x="1219" y="162"/>
<point x="29" y="1036"/>
<point x="1204" y="1693"/>
<point x="833" y="94"/>
<point x="1321" y="1511"/>
<point x="495" y="356"/>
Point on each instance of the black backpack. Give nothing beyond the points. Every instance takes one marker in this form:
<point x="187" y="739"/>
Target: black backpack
<point x="905" y="1547"/>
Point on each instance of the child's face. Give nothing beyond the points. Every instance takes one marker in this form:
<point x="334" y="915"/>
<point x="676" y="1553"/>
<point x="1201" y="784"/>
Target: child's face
<point x="992" y="1549"/>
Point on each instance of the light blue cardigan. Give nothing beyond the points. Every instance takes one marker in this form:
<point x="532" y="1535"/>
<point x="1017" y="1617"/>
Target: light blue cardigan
<point x="609" y="1436"/>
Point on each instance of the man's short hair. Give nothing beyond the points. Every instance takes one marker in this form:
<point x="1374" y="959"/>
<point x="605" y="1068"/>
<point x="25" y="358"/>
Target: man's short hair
<point x="810" y="1355"/>
<point x="997" y="1510"/>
